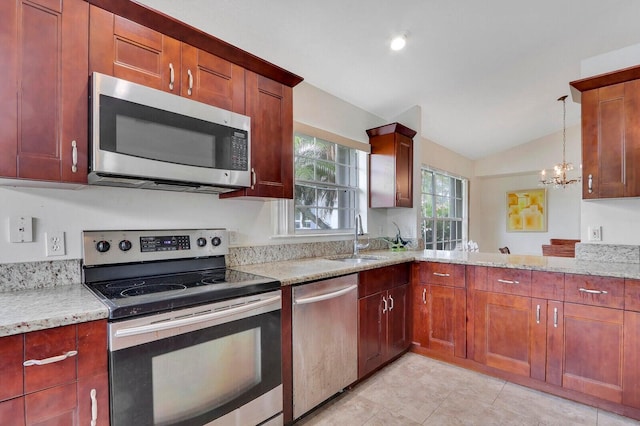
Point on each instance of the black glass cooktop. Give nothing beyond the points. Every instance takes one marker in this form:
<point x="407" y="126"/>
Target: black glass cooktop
<point x="145" y="295"/>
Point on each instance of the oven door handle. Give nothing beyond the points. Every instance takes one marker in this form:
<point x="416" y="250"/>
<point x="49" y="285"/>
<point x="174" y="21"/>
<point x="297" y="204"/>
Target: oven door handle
<point x="151" y="328"/>
<point x="325" y="296"/>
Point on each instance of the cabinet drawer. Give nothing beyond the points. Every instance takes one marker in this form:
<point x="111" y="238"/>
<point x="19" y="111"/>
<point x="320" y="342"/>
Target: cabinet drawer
<point x="593" y="290"/>
<point x="507" y="281"/>
<point x="443" y="274"/>
<point x="632" y="295"/>
<point x="44" y="345"/>
<point x="547" y="285"/>
<point x="374" y="281"/>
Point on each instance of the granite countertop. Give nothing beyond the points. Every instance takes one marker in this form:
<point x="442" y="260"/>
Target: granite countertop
<point x="30" y="310"/>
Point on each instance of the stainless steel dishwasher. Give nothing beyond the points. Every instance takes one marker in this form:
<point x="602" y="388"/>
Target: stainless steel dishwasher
<point x="325" y="347"/>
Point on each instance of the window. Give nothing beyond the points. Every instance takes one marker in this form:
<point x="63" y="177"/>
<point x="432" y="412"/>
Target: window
<point x="326" y="185"/>
<point x="444" y="210"/>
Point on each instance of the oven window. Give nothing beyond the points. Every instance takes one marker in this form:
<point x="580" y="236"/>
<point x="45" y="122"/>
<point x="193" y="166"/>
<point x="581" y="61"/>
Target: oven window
<point x="188" y="382"/>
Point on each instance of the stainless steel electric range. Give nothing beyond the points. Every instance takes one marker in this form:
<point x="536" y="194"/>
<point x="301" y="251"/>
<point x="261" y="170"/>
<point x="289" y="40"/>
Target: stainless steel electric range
<point x="191" y="342"/>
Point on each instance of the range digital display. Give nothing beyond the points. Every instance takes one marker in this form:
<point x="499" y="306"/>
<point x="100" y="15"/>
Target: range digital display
<point x="165" y="243"/>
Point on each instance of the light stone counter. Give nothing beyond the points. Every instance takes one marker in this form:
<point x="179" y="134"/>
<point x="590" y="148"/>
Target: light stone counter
<point x="30" y="310"/>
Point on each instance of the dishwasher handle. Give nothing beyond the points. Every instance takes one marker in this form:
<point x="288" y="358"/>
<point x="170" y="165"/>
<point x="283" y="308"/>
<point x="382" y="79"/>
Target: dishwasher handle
<point x="325" y="296"/>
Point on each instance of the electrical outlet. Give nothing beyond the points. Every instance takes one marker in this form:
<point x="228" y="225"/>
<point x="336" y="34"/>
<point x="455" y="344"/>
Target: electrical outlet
<point x="233" y="237"/>
<point x="595" y="233"/>
<point x="55" y="243"/>
<point x="20" y="229"/>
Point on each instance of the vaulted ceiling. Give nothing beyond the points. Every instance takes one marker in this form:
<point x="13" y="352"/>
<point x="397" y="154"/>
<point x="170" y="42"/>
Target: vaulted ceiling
<point x="485" y="73"/>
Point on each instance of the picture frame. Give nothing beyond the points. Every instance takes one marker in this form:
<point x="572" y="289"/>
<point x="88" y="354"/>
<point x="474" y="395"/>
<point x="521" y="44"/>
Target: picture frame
<point x="526" y="210"/>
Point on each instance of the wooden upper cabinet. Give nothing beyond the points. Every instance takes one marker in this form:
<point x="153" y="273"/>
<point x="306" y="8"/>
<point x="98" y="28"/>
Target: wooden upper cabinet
<point x="610" y="136"/>
<point x="44" y="90"/>
<point x="391" y="166"/>
<point x="133" y="52"/>
<point x="270" y="106"/>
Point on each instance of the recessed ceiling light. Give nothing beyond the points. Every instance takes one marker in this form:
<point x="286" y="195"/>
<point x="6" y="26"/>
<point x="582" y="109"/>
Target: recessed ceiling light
<point x="399" y="42"/>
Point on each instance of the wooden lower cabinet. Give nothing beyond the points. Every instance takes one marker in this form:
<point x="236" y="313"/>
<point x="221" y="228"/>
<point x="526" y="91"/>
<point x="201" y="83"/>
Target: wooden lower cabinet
<point x="631" y="368"/>
<point x="55" y="389"/>
<point x="593" y="351"/>
<point x="383" y="322"/>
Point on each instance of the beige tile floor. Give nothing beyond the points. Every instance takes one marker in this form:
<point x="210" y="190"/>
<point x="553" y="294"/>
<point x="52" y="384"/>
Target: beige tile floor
<point x="416" y="390"/>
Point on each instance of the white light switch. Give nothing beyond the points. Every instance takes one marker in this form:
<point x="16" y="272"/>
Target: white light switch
<point x="20" y="229"/>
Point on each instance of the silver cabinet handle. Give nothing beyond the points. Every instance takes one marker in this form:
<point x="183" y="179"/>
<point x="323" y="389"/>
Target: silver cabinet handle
<point x="508" y="281"/>
<point x="254" y="178"/>
<point x="390" y="303"/>
<point x="439" y="274"/>
<point x="538" y="314"/>
<point x="424" y="296"/>
<point x="74" y="156"/>
<point x="555" y="317"/>
<point x="51" y="360"/>
<point x="94" y="407"/>
<point x="590" y="183"/>
<point x="190" y="91"/>
<point x="172" y="76"/>
<point x="384" y="309"/>
<point x="586" y="290"/>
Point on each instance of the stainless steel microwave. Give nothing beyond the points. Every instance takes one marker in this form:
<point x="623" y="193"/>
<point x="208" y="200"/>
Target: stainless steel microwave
<point x="146" y="138"/>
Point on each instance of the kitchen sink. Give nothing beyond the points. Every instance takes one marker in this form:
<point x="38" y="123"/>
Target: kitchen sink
<point x="358" y="259"/>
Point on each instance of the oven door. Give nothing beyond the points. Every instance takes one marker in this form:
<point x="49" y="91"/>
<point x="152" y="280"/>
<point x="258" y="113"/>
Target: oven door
<point x="211" y="364"/>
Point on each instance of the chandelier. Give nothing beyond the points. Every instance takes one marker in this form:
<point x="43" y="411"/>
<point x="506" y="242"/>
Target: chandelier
<point x="560" y="178"/>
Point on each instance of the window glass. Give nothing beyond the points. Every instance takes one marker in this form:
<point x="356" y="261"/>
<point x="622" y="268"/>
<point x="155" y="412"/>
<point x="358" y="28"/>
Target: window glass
<point x="444" y="207"/>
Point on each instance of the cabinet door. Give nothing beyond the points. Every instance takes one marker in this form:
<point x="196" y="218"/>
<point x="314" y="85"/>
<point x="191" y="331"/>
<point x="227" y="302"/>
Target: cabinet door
<point x="53" y="406"/>
<point x="611" y="141"/>
<point x="404" y="170"/>
<point x="270" y="106"/>
<point x="44" y="114"/>
<point x="398" y="330"/>
<point x="210" y="79"/>
<point x="127" y="50"/>
<point x="88" y="399"/>
<point x="11" y="358"/>
<point x="12" y="412"/>
<point x="593" y="351"/>
<point x="631" y="377"/>
<point x="372" y="332"/>
<point x="420" y="315"/>
<point x="441" y="308"/>
<point x="502" y="331"/>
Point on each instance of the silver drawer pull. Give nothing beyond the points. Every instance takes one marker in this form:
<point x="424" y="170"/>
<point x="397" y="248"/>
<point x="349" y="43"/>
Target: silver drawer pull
<point x="438" y="274"/>
<point x="555" y="317"/>
<point x="586" y="290"/>
<point x="51" y="360"/>
<point x="74" y="156"/>
<point x="94" y="407"/>
<point x="508" y="281"/>
<point x="538" y="314"/>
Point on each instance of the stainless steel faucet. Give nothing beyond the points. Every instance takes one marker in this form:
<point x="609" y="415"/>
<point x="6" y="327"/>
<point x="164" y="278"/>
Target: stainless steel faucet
<point x="358" y="231"/>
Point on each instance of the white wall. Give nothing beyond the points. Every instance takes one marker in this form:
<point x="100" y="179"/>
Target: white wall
<point x="73" y="211"/>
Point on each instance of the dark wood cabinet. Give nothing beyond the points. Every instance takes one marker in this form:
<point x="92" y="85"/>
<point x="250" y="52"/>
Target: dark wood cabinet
<point x="270" y="106"/>
<point x="133" y="52"/>
<point x="391" y="166"/>
<point x="44" y="90"/>
<point x="439" y="309"/>
<point x="610" y="135"/>
<point x="383" y="331"/>
<point x="64" y="378"/>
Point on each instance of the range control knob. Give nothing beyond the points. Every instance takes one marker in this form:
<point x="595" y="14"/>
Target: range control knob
<point x="216" y="241"/>
<point x="103" y="246"/>
<point x="125" y="245"/>
<point x="201" y="242"/>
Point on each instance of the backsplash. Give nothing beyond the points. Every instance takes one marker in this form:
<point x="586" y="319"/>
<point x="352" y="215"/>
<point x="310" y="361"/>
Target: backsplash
<point x="33" y="275"/>
<point x="617" y="253"/>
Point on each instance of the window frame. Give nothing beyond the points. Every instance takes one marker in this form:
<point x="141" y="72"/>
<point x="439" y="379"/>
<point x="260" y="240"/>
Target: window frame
<point x="462" y="230"/>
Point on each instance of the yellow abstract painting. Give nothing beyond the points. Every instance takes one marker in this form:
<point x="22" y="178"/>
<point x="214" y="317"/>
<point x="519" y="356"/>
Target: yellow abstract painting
<point x="527" y="210"/>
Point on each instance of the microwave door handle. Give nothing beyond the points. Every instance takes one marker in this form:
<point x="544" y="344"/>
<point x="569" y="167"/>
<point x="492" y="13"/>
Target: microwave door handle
<point x="152" y="328"/>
